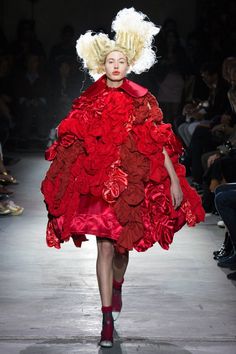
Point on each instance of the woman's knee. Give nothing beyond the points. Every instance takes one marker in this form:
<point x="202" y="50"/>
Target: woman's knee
<point x="120" y="259"/>
<point x="121" y="256"/>
<point x="105" y="248"/>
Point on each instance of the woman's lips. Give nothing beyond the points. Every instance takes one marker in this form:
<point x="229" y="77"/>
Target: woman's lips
<point x="116" y="72"/>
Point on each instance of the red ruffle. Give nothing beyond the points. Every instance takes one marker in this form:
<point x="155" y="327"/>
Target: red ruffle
<point x="109" y="150"/>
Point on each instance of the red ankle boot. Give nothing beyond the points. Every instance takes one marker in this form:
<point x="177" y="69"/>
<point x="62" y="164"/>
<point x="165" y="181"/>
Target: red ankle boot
<point x="116" y="298"/>
<point x="107" y="328"/>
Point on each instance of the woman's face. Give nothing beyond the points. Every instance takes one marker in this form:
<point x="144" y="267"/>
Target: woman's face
<point x="233" y="76"/>
<point x="116" y="66"/>
<point x="227" y="67"/>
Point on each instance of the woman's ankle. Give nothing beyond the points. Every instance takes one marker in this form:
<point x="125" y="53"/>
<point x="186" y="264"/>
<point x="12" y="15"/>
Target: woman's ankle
<point x="106" y="309"/>
<point x="117" y="284"/>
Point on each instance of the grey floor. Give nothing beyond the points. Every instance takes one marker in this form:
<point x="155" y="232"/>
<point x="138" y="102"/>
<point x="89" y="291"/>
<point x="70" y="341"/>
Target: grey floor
<point x="175" y="301"/>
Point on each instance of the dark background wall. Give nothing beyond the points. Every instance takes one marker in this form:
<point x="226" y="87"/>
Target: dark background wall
<point x="50" y="16"/>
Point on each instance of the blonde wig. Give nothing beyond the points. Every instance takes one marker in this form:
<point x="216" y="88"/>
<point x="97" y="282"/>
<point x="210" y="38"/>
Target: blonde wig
<point x="133" y="37"/>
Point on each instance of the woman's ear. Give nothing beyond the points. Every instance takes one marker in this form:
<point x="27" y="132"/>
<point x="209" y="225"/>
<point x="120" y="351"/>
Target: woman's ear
<point x="128" y="70"/>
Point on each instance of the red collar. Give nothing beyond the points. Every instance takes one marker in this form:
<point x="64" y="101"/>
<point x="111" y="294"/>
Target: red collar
<point x="128" y="86"/>
<point x="133" y="89"/>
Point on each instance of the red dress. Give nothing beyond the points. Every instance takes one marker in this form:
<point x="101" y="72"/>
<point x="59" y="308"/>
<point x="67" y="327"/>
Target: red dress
<point x="107" y="175"/>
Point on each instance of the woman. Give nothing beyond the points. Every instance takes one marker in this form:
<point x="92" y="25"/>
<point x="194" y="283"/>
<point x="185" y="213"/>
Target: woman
<point x="113" y="171"/>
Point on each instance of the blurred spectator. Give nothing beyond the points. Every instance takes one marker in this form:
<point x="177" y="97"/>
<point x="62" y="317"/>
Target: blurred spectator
<point x="169" y="25"/>
<point x="7" y="205"/>
<point x="204" y="111"/>
<point x="225" y="249"/>
<point x="65" y="49"/>
<point x="25" y="44"/>
<point x="225" y="201"/>
<point x="6" y="98"/>
<point x="64" y="88"/>
<point x="195" y="57"/>
<point x="32" y="101"/>
<point x="220" y="167"/>
<point x="171" y="73"/>
<point x="208" y="135"/>
<point x="195" y="52"/>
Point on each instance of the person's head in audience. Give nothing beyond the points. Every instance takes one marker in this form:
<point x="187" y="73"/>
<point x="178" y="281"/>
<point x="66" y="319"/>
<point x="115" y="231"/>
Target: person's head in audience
<point x="67" y="35"/>
<point x="232" y="90"/>
<point x="210" y="74"/>
<point x="169" y="25"/>
<point x="172" y="39"/>
<point x="227" y="63"/>
<point x="233" y="75"/>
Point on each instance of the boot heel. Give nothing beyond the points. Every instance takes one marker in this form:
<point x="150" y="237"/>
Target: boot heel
<point x="116" y="299"/>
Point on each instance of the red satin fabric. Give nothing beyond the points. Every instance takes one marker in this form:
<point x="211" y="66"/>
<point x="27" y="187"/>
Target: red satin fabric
<point x="107" y="175"/>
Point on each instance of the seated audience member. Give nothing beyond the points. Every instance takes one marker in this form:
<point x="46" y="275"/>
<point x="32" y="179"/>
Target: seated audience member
<point x="225" y="201"/>
<point x="7" y="205"/>
<point x="207" y="137"/>
<point x="203" y="112"/>
<point x="219" y="168"/>
<point x="26" y="43"/>
<point x="225" y="249"/>
<point x="6" y="98"/>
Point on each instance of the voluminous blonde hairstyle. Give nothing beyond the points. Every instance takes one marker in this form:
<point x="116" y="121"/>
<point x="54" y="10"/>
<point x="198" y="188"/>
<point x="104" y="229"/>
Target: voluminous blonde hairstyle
<point x="134" y="35"/>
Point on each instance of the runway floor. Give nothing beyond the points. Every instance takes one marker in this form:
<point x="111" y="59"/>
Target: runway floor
<point x="175" y="301"/>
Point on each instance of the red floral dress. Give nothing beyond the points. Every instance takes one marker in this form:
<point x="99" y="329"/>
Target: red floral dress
<point x="107" y="175"/>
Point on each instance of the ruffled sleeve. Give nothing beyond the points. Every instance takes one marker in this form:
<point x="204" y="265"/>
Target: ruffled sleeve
<point x="160" y="134"/>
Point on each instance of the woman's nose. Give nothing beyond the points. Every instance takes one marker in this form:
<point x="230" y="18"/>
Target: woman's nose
<point x="116" y="65"/>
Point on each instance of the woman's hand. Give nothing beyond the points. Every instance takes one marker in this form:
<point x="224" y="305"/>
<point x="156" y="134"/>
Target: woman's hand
<point x="176" y="194"/>
<point x="212" y="159"/>
<point x="175" y="189"/>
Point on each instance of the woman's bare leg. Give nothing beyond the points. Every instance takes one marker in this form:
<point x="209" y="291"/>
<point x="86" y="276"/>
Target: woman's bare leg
<point x="105" y="270"/>
<point x="105" y="280"/>
<point x="120" y="263"/>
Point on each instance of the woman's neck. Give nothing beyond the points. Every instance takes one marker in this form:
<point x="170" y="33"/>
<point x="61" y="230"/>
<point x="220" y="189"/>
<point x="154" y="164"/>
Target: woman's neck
<point x="115" y="84"/>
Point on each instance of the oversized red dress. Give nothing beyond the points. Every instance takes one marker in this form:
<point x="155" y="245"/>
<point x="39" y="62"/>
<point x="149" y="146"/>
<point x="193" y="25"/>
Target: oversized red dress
<point x="107" y="175"/>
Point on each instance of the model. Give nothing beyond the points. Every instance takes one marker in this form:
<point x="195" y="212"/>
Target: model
<point x="115" y="171"/>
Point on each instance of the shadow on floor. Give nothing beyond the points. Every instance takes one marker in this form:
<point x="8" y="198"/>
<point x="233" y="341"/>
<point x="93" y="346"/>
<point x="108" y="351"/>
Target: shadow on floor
<point x="121" y="346"/>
